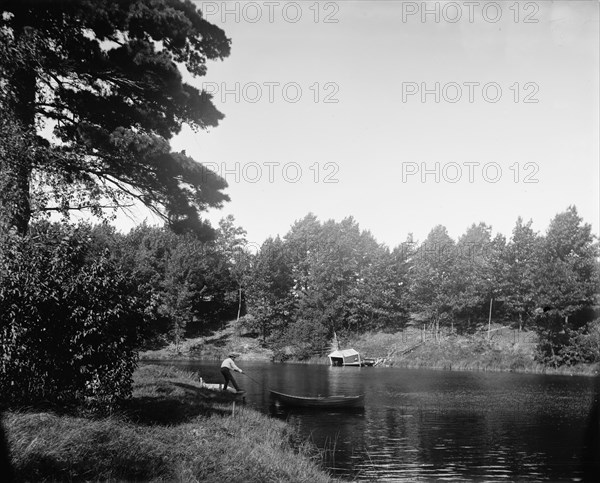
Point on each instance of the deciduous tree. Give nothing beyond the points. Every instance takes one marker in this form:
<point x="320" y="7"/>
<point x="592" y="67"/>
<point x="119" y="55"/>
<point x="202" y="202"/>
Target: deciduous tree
<point x="522" y="258"/>
<point x="270" y="283"/>
<point x="431" y="281"/>
<point x="568" y="281"/>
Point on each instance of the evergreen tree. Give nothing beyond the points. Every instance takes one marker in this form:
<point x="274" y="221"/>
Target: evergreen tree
<point x="106" y="77"/>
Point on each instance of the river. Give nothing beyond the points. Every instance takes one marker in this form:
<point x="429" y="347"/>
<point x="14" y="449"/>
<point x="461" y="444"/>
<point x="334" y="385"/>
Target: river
<point x="421" y="425"/>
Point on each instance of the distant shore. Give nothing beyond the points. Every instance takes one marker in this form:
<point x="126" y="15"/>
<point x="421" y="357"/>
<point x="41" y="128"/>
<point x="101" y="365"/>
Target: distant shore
<point x="506" y="350"/>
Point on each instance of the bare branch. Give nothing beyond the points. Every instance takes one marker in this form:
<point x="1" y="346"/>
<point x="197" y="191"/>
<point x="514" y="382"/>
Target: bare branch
<point x="85" y="207"/>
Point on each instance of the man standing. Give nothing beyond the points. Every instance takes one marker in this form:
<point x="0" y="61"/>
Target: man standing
<point x="226" y="369"/>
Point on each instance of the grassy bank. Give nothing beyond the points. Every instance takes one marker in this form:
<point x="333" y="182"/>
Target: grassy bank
<point x="172" y="430"/>
<point x="212" y="347"/>
<point x="505" y="351"/>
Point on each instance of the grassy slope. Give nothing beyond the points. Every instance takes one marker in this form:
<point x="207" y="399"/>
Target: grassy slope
<point x="214" y="346"/>
<point x="172" y="430"/>
<point x="506" y="350"/>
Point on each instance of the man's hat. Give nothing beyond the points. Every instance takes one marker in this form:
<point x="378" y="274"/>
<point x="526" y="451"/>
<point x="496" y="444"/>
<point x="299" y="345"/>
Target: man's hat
<point x="233" y="355"/>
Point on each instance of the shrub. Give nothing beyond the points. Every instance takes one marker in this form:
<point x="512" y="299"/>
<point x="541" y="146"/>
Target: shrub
<point x="302" y="339"/>
<point x="68" y="334"/>
<point x="584" y="345"/>
<point x="570" y="346"/>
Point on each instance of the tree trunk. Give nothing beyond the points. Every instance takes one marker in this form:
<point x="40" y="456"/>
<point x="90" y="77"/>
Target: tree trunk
<point x="15" y="210"/>
<point x="16" y="155"/>
<point x="239" y="304"/>
<point x="490" y="320"/>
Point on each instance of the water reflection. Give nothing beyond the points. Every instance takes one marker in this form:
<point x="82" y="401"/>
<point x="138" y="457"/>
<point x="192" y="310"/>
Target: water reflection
<point x="436" y="425"/>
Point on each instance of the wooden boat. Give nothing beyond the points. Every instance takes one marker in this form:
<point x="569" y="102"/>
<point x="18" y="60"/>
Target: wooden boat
<point x="331" y="402"/>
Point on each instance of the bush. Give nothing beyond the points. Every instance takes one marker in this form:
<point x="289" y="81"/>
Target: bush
<point x="68" y="334"/>
<point x="584" y="345"/>
<point x="570" y="346"/>
<point x="301" y="340"/>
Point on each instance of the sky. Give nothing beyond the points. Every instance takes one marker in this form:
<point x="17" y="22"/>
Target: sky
<point x="404" y="115"/>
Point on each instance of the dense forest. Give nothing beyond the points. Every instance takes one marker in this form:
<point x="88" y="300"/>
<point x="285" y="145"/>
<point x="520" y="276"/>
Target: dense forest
<point x="82" y="299"/>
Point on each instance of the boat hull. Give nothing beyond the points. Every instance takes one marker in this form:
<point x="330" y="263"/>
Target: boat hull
<point x="335" y="402"/>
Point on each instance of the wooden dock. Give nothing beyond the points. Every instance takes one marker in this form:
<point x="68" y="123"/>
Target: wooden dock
<point x="217" y="387"/>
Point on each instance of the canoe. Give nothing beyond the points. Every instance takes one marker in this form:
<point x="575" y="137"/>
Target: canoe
<point x="320" y="401"/>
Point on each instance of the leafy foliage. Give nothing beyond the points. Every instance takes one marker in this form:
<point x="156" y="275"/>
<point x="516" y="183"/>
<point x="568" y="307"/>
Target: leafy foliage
<point x="584" y="345"/>
<point x="324" y="278"/>
<point x="568" y="278"/>
<point x="331" y="277"/>
<point x="568" y="275"/>
<point x="567" y="341"/>
<point x="270" y="289"/>
<point x="522" y="260"/>
<point x="69" y="334"/>
<point x="431" y="283"/>
<point x="180" y="282"/>
<point x="230" y="246"/>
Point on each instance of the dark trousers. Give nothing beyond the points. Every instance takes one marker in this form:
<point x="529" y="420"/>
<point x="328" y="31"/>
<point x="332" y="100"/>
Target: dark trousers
<point x="229" y="378"/>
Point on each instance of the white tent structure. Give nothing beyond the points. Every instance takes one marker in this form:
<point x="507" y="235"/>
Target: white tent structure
<point x="346" y="357"/>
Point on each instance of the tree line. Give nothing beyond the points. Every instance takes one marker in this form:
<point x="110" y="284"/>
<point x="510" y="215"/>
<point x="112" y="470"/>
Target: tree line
<point x="79" y="301"/>
<point x="322" y="278"/>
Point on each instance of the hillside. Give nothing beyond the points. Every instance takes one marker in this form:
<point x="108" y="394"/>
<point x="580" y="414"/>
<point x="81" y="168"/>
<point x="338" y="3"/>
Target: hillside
<point x="213" y="346"/>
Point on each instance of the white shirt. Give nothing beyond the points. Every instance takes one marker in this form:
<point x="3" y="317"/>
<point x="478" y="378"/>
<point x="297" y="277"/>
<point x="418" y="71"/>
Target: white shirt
<point x="229" y="364"/>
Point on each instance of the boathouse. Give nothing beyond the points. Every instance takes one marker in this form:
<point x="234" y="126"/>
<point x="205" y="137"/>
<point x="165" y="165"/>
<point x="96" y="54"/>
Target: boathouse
<point x="346" y="357"/>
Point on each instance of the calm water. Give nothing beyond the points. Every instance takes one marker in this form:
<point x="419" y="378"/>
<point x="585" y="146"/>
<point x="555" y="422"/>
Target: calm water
<point x="422" y="425"/>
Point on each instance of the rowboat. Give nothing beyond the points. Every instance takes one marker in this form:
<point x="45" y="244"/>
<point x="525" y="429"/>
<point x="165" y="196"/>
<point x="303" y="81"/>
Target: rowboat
<point x="335" y="402"/>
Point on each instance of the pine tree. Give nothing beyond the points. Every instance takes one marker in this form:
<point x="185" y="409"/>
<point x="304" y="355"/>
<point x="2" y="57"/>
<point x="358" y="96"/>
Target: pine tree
<point x="107" y="77"/>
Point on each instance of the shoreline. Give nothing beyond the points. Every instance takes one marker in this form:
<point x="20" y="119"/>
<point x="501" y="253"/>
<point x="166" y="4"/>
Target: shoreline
<point x="542" y="370"/>
<point x="172" y="429"/>
<point x="475" y="353"/>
